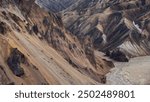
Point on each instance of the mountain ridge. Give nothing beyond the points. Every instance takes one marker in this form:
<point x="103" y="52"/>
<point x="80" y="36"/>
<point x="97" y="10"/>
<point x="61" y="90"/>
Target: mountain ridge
<point x="104" y="21"/>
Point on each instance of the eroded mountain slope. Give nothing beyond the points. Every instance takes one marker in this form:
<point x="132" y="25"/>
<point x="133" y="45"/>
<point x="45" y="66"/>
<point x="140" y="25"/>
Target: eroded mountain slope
<point x="45" y="50"/>
<point x="111" y="26"/>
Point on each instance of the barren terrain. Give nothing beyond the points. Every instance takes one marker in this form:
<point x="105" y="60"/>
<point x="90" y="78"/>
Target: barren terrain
<point x="134" y="72"/>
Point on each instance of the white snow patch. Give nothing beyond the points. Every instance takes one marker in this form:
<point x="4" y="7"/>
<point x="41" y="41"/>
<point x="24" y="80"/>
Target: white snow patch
<point x="137" y="27"/>
<point x="104" y="38"/>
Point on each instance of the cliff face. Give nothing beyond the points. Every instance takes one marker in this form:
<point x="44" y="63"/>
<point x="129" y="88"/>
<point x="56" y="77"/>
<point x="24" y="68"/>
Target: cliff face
<point x="37" y="49"/>
<point x="111" y="26"/>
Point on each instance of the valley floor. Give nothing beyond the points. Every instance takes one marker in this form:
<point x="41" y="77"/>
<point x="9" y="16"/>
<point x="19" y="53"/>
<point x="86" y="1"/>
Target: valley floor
<point x="135" y="72"/>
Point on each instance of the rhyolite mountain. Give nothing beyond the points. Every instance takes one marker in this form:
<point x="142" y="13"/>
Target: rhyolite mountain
<point x="99" y="23"/>
<point x="36" y="48"/>
<point x="70" y="41"/>
<point x="119" y="28"/>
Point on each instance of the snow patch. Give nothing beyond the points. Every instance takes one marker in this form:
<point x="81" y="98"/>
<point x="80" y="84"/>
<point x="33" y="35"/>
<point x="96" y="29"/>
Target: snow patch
<point x="137" y="27"/>
<point x="104" y="38"/>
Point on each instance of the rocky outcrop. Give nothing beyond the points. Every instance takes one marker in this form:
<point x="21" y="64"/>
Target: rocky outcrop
<point x="117" y="55"/>
<point x="2" y="28"/>
<point x="14" y="61"/>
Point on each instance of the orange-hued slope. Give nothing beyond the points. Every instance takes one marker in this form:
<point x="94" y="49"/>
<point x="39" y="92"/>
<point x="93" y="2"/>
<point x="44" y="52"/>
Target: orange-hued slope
<point x="51" y="54"/>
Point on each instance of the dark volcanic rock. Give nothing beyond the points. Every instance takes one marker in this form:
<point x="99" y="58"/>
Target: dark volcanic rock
<point x="117" y="55"/>
<point x="2" y="28"/>
<point x="35" y="29"/>
<point x="14" y="62"/>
